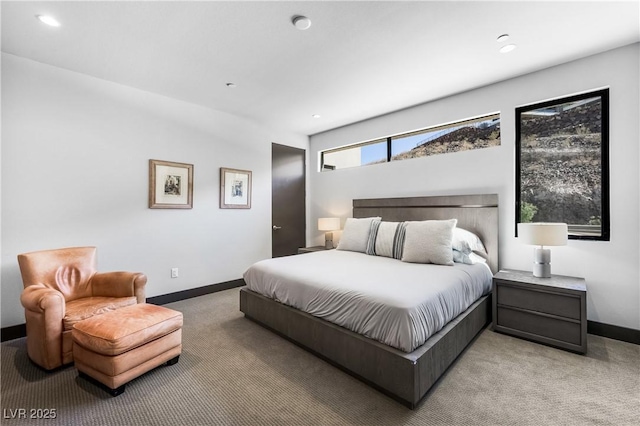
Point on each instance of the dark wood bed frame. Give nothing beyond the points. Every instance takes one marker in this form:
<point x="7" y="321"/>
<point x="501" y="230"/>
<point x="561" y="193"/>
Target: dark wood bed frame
<point x="406" y="377"/>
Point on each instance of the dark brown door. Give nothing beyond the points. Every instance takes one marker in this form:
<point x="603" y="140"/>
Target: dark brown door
<point x="288" y="200"/>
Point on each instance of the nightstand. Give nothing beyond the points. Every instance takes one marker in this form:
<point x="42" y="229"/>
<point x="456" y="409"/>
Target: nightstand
<point x="312" y="249"/>
<point x="552" y="311"/>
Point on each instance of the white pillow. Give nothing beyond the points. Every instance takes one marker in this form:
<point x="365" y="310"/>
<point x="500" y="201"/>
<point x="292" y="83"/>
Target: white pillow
<point x="463" y="239"/>
<point x="356" y="234"/>
<point x="429" y="241"/>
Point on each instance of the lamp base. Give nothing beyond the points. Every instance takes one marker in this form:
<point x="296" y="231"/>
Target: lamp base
<point x="542" y="263"/>
<point x="328" y="240"/>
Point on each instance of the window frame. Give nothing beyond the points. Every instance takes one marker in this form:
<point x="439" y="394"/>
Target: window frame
<point x="390" y="139"/>
<point x="605" y="218"/>
<point x="352" y="146"/>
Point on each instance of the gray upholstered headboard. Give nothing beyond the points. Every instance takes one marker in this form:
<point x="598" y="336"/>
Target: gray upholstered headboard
<point x="475" y="213"/>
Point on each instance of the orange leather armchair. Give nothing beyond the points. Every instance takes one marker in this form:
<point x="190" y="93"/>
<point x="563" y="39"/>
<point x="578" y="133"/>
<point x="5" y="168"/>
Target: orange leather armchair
<point x="63" y="287"/>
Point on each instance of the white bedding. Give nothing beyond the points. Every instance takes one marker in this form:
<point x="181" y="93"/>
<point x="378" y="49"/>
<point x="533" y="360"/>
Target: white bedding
<point x="399" y="304"/>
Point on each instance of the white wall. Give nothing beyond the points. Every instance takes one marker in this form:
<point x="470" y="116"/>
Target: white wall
<point x="611" y="268"/>
<point x="75" y="152"/>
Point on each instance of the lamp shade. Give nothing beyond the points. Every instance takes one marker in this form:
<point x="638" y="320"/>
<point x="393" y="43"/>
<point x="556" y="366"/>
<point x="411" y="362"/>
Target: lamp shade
<point x="328" y="223"/>
<point x="543" y="234"/>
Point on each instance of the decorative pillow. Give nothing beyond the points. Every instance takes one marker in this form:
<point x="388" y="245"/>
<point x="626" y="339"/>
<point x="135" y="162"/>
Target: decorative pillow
<point x="355" y="235"/>
<point x="429" y="241"/>
<point x="387" y="239"/>
<point x="467" y="256"/>
<point x="463" y="239"/>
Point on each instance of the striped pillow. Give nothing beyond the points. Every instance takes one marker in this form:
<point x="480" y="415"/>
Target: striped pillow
<point x="356" y="234"/>
<point x="386" y="239"/>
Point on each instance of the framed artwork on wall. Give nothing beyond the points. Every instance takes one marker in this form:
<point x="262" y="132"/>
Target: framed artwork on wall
<point x="562" y="164"/>
<point x="235" y="189"/>
<point x="170" y="185"/>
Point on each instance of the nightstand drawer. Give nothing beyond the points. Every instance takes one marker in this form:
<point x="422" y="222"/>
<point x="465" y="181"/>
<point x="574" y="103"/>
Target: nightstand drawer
<point x="539" y="326"/>
<point x="540" y="301"/>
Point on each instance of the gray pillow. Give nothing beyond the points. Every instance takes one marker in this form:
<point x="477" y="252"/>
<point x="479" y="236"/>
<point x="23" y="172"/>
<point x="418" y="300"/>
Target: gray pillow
<point x="467" y="256"/>
<point x="429" y="241"/>
<point x="355" y="235"/>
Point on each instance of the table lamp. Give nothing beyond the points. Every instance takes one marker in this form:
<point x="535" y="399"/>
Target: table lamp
<point x="542" y="234"/>
<point x="328" y="224"/>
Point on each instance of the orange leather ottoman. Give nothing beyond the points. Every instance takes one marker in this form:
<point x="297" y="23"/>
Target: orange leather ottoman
<point x="118" y="346"/>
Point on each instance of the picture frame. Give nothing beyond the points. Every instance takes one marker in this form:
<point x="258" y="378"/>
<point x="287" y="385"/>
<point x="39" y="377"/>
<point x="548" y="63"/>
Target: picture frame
<point x="562" y="164"/>
<point x="170" y="185"/>
<point x="235" y="188"/>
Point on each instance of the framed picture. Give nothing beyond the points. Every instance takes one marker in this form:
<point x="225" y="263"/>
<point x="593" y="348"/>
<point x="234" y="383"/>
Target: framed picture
<point x="235" y="189"/>
<point x="170" y="185"/>
<point x="562" y="164"/>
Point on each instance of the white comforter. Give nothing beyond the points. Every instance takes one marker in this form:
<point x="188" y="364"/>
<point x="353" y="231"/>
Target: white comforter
<point x="399" y="304"/>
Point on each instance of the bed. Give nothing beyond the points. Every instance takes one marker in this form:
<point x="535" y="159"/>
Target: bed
<point x="407" y="371"/>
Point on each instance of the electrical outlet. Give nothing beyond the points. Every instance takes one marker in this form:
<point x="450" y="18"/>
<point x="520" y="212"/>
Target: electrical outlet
<point x="174" y="272"/>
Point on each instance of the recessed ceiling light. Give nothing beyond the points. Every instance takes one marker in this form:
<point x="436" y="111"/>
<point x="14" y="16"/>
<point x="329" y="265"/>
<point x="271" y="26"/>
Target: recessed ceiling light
<point x="316" y="116"/>
<point x="49" y="20"/>
<point x="231" y="85"/>
<point x="507" y="48"/>
<point x="502" y="38"/>
<point x="301" y="22"/>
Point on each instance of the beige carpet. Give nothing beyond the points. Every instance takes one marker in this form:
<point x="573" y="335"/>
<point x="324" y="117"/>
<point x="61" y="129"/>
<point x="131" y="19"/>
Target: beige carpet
<point x="234" y="372"/>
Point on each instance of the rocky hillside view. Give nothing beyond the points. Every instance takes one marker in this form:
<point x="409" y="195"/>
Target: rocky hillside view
<point x="458" y="140"/>
<point x="561" y="167"/>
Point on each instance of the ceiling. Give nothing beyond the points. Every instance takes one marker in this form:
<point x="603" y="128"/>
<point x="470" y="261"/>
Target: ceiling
<point x="357" y="60"/>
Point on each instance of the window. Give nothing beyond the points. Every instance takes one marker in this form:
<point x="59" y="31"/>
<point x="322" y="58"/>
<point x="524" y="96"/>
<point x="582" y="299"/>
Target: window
<point x="355" y="155"/>
<point x="562" y="164"/>
<point x="482" y="132"/>
<point x="476" y="133"/>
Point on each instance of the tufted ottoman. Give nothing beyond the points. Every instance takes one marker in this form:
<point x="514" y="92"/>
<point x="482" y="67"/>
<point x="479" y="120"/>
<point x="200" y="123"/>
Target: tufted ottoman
<point x="118" y="346"/>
